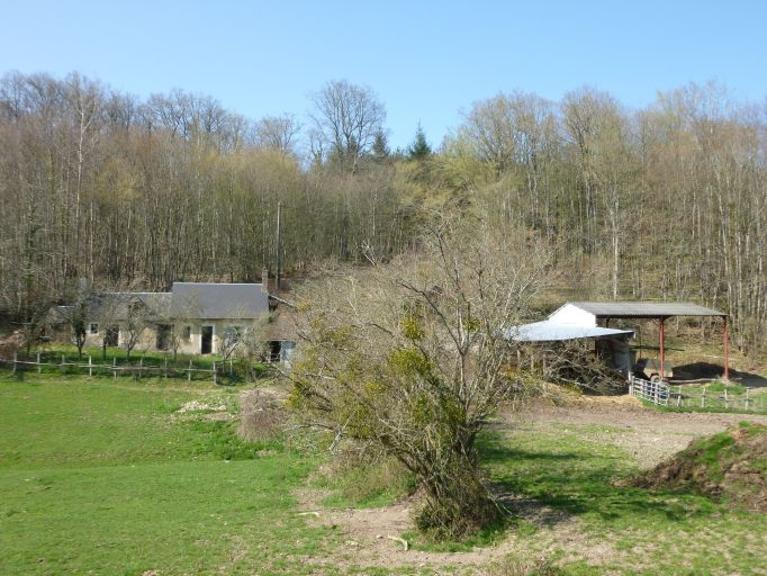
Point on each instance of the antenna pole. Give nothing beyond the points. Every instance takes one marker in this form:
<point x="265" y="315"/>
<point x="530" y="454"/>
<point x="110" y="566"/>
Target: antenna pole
<point x="279" y="245"/>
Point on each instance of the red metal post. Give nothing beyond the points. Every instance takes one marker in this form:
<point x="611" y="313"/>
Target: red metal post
<point x="662" y="348"/>
<point x="726" y="341"/>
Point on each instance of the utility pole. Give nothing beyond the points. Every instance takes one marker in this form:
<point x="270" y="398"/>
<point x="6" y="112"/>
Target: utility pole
<point x="279" y="246"/>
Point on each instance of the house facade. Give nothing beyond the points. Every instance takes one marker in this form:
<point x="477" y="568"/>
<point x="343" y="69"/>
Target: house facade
<point x="193" y="318"/>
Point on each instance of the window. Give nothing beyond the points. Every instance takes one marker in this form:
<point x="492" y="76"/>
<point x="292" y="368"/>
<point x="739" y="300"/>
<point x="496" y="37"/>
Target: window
<point x="233" y="332"/>
<point x="93" y="328"/>
<point x="186" y="333"/>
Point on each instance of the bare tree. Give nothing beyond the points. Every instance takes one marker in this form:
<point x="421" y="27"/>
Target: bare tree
<point x="412" y="358"/>
<point x="76" y="316"/>
<point x="347" y="117"/>
<point x="105" y="310"/>
<point x="277" y="133"/>
<point x="137" y="320"/>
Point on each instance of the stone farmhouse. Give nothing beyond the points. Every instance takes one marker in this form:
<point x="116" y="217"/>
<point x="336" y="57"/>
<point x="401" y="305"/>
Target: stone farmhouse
<point x="193" y="318"/>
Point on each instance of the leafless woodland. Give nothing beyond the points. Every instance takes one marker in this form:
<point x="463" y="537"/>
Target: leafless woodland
<point x="663" y="202"/>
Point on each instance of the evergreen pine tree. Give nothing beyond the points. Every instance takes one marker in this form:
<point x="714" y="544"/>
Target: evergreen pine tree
<point x="380" y="147"/>
<point x="419" y="149"/>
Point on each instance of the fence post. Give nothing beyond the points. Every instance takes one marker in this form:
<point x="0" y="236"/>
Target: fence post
<point x="748" y="400"/>
<point x="165" y="367"/>
<point x="14" y="361"/>
<point x="62" y="363"/>
<point x="703" y="398"/>
<point x="725" y="397"/>
<point x="678" y="396"/>
<point x="631" y="382"/>
<point x="140" y="366"/>
<point x="114" y="367"/>
<point x="214" y="373"/>
<point x="189" y="372"/>
<point x="90" y="366"/>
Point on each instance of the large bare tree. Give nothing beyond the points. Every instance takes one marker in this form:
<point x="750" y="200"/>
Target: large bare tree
<point x="411" y="357"/>
<point x="277" y="133"/>
<point x="347" y="118"/>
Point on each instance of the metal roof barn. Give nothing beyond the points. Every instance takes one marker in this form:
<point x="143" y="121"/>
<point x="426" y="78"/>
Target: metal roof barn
<point x="643" y="309"/>
<point x="589" y="314"/>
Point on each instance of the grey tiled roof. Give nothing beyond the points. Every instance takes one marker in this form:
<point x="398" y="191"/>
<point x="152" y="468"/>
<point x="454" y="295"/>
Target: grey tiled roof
<point x="645" y="309"/>
<point x="115" y="305"/>
<point x="203" y="300"/>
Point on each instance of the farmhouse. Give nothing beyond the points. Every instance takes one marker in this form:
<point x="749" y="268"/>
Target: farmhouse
<point x="590" y="321"/>
<point x="193" y="318"/>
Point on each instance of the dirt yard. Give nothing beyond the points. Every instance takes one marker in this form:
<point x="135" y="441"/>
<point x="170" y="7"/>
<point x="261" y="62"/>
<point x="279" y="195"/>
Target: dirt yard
<point x="370" y="535"/>
<point x="648" y="435"/>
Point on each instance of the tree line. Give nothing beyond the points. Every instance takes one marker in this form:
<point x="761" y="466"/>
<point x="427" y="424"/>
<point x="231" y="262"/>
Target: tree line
<point x="663" y="202"/>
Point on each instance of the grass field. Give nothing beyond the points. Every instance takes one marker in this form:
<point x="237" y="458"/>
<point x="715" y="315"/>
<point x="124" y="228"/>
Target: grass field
<point x="100" y="478"/>
<point x="106" y="477"/>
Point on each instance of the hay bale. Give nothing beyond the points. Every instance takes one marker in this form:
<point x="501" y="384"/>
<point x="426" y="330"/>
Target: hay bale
<point x="11" y="344"/>
<point x="262" y="417"/>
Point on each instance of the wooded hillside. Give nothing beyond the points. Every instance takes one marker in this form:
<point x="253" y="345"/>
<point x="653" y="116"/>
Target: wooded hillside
<point x="664" y="202"/>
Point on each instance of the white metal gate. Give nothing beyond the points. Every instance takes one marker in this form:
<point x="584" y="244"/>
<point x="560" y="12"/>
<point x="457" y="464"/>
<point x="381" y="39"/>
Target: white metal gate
<point x="655" y="391"/>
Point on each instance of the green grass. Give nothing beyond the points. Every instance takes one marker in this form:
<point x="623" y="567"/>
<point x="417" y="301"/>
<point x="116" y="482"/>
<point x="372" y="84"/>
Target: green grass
<point x="369" y="485"/>
<point x="720" y="387"/>
<point x="654" y="532"/>
<point x="102" y="478"/>
<point x="53" y="353"/>
<point x="106" y="477"/>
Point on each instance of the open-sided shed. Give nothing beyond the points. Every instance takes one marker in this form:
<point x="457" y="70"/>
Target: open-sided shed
<point x="593" y="313"/>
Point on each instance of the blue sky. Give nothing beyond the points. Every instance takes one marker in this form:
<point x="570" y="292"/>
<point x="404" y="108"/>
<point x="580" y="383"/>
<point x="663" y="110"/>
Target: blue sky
<point x="427" y="61"/>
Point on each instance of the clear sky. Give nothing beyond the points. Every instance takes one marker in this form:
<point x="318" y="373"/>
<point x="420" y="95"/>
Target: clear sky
<point x="427" y="61"/>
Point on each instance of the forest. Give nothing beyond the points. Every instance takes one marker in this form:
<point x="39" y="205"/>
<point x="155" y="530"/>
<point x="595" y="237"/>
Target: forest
<point x="667" y="202"/>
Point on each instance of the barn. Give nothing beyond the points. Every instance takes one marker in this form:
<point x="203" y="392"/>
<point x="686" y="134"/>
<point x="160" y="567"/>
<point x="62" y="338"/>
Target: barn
<point x="591" y="321"/>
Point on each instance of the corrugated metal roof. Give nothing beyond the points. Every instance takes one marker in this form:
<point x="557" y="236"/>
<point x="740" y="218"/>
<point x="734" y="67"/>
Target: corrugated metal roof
<point x="211" y="300"/>
<point x="548" y="331"/>
<point x="645" y="309"/>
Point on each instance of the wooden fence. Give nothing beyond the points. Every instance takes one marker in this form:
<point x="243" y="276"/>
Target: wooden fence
<point x="138" y="370"/>
<point x="697" y="398"/>
<point x="704" y="399"/>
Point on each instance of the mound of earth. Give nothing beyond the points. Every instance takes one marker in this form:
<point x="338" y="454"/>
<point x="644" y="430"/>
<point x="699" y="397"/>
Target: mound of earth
<point x="731" y="466"/>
